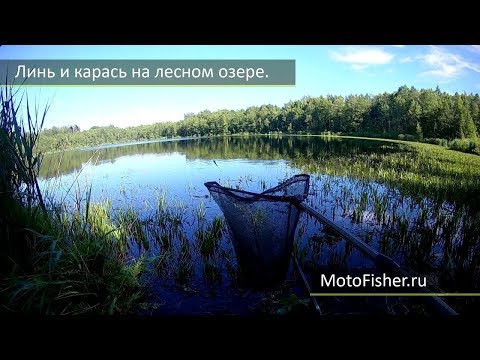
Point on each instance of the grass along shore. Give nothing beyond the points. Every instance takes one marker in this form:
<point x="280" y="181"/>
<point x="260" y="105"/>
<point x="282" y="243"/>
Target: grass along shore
<point x="53" y="261"/>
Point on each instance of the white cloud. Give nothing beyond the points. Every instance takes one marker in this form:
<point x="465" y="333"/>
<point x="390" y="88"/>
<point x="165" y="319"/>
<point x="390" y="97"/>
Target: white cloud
<point x="405" y="60"/>
<point x="362" y="58"/>
<point x="475" y="48"/>
<point x="445" y="64"/>
<point x="399" y="46"/>
<point x="359" y="66"/>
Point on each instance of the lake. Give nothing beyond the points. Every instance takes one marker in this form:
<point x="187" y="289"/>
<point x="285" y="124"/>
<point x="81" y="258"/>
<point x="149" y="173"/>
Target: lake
<point x="417" y="205"/>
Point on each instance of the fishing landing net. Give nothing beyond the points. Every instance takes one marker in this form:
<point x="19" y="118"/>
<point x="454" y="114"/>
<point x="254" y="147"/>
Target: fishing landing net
<point x="262" y="226"/>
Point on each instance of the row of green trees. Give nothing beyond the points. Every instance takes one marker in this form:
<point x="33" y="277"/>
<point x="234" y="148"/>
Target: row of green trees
<point x="407" y="113"/>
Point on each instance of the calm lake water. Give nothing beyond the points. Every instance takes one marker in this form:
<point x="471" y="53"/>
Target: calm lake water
<point x="414" y="229"/>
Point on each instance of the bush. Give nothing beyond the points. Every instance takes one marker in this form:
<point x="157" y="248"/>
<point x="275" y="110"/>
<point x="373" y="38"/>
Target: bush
<point x="437" y="141"/>
<point x="407" y="137"/>
<point x="465" y="145"/>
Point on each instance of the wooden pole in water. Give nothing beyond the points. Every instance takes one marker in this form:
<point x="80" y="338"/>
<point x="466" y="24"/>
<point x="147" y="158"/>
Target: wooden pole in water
<point x="379" y="259"/>
<point x="307" y="285"/>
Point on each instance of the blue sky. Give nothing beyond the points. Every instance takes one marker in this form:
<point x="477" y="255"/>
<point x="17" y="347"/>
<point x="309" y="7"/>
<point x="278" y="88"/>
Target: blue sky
<point x="320" y="70"/>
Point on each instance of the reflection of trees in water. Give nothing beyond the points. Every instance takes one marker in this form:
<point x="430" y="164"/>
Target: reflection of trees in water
<point x="251" y="147"/>
<point x="396" y="164"/>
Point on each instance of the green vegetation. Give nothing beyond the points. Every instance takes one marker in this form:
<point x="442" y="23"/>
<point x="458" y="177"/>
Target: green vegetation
<point x="418" y="170"/>
<point x="408" y="114"/>
<point x="54" y="261"/>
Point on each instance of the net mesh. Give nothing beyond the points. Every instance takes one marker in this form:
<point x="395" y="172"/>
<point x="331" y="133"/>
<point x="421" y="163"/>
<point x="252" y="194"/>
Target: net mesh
<point x="262" y="226"/>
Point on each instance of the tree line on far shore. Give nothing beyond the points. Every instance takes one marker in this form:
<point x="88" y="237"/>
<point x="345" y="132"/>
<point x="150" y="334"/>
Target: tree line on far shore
<point x="408" y="114"/>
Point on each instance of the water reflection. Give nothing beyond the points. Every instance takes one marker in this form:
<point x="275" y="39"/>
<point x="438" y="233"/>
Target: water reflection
<point x="252" y="148"/>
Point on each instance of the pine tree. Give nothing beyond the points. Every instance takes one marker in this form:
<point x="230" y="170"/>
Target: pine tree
<point x="469" y="130"/>
<point x="419" y="132"/>
<point x="460" y="117"/>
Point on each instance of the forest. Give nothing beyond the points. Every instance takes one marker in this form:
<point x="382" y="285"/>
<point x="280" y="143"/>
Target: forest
<point x="424" y="115"/>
